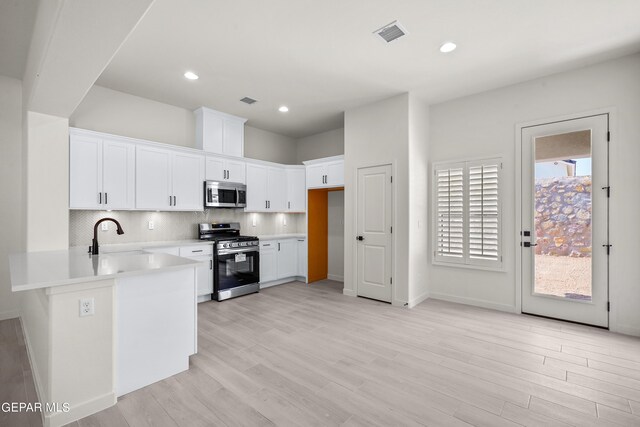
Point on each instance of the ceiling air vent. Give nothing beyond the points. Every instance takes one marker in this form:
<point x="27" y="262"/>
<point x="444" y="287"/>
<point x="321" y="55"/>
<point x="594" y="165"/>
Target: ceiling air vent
<point x="391" y="32"/>
<point x="248" y="100"/>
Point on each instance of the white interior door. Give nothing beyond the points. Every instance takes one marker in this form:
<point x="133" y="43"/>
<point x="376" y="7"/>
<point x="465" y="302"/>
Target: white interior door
<point x="565" y="220"/>
<point x="374" y="233"/>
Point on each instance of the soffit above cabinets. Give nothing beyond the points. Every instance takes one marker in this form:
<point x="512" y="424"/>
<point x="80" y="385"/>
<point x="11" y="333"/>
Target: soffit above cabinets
<point x="321" y="58"/>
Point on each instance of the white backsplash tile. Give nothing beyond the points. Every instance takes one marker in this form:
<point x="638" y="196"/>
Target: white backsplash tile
<point x="174" y="225"/>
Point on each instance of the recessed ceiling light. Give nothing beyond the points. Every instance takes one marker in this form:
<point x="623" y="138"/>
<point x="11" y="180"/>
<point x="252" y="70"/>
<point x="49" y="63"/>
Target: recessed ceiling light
<point x="283" y="109"/>
<point x="448" y="47"/>
<point x="191" y="75"/>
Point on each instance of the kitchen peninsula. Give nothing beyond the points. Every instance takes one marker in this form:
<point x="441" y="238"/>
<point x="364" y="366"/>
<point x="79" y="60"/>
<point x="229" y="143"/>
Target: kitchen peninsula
<point x="100" y="326"/>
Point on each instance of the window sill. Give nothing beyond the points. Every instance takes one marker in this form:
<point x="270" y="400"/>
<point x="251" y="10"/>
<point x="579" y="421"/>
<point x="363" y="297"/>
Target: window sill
<point x="500" y="269"/>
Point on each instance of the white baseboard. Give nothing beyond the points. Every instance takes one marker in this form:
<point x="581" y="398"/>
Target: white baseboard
<point x="335" y="278"/>
<point x="9" y="314"/>
<point x="80" y="410"/>
<point x="415" y="301"/>
<point x="37" y="381"/>
<point x="349" y="292"/>
<point x="474" y="302"/>
<point x="625" y="329"/>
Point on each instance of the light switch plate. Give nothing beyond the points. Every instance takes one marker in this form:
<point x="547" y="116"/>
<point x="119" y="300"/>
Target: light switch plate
<point x="151" y="225"/>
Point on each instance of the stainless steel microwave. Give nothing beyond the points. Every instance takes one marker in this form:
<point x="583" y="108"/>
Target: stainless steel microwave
<point x="224" y="194"/>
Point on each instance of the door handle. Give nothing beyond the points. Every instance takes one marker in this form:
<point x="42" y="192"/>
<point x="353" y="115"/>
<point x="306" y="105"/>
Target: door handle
<point x="529" y="244"/>
<point x="360" y="238"/>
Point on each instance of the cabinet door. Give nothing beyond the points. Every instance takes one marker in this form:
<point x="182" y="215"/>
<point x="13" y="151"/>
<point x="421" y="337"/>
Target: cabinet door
<point x="188" y="179"/>
<point x="335" y="174"/>
<point x="268" y="261"/>
<point x="315" y="176"/>
<point x="204" y="275"/>
<point x="256" y="188"/>
<point x="296" y="190"/>
<point x="214" y="169"/>
<point x="277" y="189"/>
<point x="153" y="178"/>
<point x="287" y="258"/>
<point x="302" y="257"/>
<point x="236" y="171"/>
<point x="85" y="173"/>
<point x="233" y="138"/>
<point x="118" y="174"/>
<point x="212" y="132"/>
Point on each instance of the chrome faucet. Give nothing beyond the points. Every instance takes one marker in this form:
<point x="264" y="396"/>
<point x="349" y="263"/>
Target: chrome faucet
<point x="94" y="244"/>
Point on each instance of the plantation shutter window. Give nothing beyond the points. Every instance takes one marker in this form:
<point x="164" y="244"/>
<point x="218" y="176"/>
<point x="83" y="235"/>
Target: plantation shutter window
<point x="467" y="213"/>
<point x="450" y="213"/>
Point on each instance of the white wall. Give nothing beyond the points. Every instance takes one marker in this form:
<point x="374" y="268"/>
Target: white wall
<point x="484" y="125"/>
<point x="46" y="175"/>
<point x="110" y="111"/>
<point x="265" y="145"/>
<point x="418" y="200"/>
<point x="378" y="134"/>
<point x="325" y="144"/>
<point x="335" y="244"/>
<point x="11" y="233"/>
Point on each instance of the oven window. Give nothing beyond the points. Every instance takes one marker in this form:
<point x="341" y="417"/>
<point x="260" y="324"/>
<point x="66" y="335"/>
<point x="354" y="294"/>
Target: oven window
<point x="237" y="270"/>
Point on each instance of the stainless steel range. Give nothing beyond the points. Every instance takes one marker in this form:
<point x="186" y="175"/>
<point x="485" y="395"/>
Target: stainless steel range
<point x="236" y="260"/>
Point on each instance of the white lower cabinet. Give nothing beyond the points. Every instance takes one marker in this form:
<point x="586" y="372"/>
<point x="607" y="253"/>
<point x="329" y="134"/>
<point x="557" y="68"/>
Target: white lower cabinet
<point x="204" y="272"/>
<point x="302" y="257"/>
<point x="280" y="259"/>
<point x="268" y="261"/>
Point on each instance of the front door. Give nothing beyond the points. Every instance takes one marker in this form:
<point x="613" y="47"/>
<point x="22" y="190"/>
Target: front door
<point x="564" y="234"/>
<point x="374" y="232"/>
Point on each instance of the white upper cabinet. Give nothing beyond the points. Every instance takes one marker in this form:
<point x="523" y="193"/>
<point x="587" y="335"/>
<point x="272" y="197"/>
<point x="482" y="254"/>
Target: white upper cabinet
<point x="266" y="188"/>
<point x="188" y="182"/>
<point x="221" y="169"/>
<point x="325" y="173"/>
<point x="101" y="172"/>
<point x="296" y="190"/>
<point x="219" y="133"/>
<point x="257" y="199"/>
<point x="168" y="180"/>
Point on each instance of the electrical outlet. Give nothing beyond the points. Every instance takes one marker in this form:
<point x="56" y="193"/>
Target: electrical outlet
<point x="87" y="307"/>
<point x="104" y="226"/>
<point x="151" y="225"/>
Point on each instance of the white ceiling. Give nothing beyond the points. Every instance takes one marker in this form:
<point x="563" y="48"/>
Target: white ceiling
<point x="320" y="57"/>
<point x="16" y="24"/>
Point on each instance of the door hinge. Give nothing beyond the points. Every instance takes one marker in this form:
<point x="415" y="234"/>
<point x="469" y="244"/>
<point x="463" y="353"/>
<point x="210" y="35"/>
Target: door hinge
<point x="392" y="179"/>
<point x="608" y="136"/>
<point x="608" y="188"/>
<point x="608" y="248"/>
<point x="391" y="280"/>
<point x="608" y="306"/>
<point x="391" y="230"/>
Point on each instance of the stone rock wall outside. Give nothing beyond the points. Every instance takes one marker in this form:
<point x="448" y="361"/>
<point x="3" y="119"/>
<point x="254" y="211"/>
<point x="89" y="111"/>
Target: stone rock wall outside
<point x="563" y="216"/>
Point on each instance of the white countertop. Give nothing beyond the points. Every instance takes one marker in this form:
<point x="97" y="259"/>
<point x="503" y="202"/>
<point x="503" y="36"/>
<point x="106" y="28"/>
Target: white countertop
<point x="35" y="270"/>
<point x="282" y="236"/>
<point x="140" y="246"/>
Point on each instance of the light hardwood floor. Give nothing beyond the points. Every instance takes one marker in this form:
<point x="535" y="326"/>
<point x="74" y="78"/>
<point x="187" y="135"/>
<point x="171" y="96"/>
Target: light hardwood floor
<point x="298" y="355"/>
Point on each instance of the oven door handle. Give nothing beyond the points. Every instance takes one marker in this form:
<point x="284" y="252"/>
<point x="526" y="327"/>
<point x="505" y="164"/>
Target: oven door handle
<point x="237" y="251"/>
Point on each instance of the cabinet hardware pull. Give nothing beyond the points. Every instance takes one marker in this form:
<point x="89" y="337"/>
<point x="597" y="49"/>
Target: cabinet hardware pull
<point x="267" y="244"/>
<point x="170" y="201"/>
<point x="106" y="198"/>
<point x="278" y="246"/>
<point x="199" y="250"/>
<point x="175" y="201"/>
<point x="266" y="204"/>
<point x="289" y="206"/>
<point x="100" y="202"/>
<point x="210" y="264"/>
